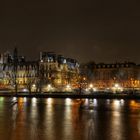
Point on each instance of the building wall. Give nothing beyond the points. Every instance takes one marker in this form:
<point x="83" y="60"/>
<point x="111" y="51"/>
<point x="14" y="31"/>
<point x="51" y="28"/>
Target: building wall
<point x="50" y="69"/>
<point x="25" y="73"/>
<point x="127" y="75"/>
<point x="58" y="70"/>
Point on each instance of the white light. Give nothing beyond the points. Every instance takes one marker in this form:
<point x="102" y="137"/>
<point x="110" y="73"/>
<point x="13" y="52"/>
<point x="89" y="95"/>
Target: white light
<point x="87" y="89"/>
<point x="14" y="98"/>
<point x="122" y="101"/>
<point x="68" y="101"/>
<point x="64" y="61"/>
<point x="49" y="100"/>
<point x="24" y="99"/>
<point x="116" y="85"/>
<point x="34" y="85"/>
<point x="116" y="103"/>
<point x="49" y="86"/>
<point x="121" y="89"/>
<point x="108" y="101"/>
<point x="34" y="100"/>
<point x="86" y="101"/>
<point x="25" y="90"/>
<point x="90" y="86"/>
<point x="94" y="89"/>
<point x="95" y="101"/>
<point x="68" y="86"/>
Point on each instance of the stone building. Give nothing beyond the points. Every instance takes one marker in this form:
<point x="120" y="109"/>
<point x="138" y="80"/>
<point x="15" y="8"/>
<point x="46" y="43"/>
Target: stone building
<point x="115" y="76"/>
<point x="22" y="74"/>
<point x="55" y="71"/>
<point x="58" y="70"/>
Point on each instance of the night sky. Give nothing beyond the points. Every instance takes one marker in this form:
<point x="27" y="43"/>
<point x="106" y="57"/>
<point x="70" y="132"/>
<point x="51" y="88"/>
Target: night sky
<point x="87" y="30"/>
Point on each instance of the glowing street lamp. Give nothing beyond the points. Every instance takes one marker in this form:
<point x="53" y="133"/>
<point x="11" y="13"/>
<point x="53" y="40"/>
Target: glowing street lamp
<point x="116" y="85"/>
<point x="49" y="87"/>
<point x="33" y="87"/>
<point x="68" y="88"/>
<point x="90" y="86"/>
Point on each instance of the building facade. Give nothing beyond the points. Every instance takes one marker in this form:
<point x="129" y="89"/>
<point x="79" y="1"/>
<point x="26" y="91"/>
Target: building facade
<point x="17" y="71"/>
<point x="116" y="76"/>
<point x="51" y="72"/>
<point x="58" y="71"/>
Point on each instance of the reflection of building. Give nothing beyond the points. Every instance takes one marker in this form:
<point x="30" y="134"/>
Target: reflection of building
<point x="126" y="75"/>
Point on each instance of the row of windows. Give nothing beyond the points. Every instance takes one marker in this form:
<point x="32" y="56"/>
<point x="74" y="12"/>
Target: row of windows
<point x="6" y="67"/>
<point x="20" y="75"/>
<point x="112" y="66"/>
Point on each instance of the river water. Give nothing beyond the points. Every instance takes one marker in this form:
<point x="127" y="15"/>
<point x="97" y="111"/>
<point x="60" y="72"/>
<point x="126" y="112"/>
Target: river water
<point x="69" y="119"/>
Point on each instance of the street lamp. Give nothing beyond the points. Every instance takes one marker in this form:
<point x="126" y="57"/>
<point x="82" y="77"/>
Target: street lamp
<point x="33" y="87"/>
<point x="117" y="87"/>
<point x="49" y="87"/>
<point x="90" y="86"/>
<point x="68" y="88"/>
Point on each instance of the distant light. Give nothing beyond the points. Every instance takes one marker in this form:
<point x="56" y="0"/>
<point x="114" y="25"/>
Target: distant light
<point x="108" y="101"/>
<point x="68" y="86"/>
<point x="25" y="90"/>
<point x="49" y="86"/>
<point x="49" y="100"/>
<point x="116" y="85"/>
<point x="68" y="101"/>
<point x="34" y="85"/>
<point x="95" y="101"/>
<point x="34" y="100"/>
<point x="94" y="89"/>
<point x="24" y="99"/>
<point x="87" y="89"/>
<point x="116" y="103"/>
<point x="90" y="86"/>
<point x="64" y="61"/>
<point x="1" y="98"/>
<point x="84" y="78"/>
<point x="14" y="98"/>
<point x="122" y="101"/>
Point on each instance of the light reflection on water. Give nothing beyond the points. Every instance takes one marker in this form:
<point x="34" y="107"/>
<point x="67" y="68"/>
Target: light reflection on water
<point x="65" y="119"/>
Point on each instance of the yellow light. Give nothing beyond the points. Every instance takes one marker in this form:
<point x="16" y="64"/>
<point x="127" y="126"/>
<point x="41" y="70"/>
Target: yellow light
<point x="34" y="85"/>
<point x="68" y="86"/>
<point x="84" y="78"/>
<point x="90" y="86"/>
<point x="116" y="85"/>
<point x="68" y="101"/>
<point x="49" y="100"/>
<point x="49" y="86"/>
<point x="94" y="89"/>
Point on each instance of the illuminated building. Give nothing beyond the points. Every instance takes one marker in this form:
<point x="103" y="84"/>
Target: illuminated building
<point x="27" y="72"/>
<point x="52" y="71"/>
<point x="58" y="70"/>
<point x="123" y="76"/>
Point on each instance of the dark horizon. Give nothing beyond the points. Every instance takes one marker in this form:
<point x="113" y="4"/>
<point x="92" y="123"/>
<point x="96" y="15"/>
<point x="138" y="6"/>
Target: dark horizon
<point x="100" y="31"/>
